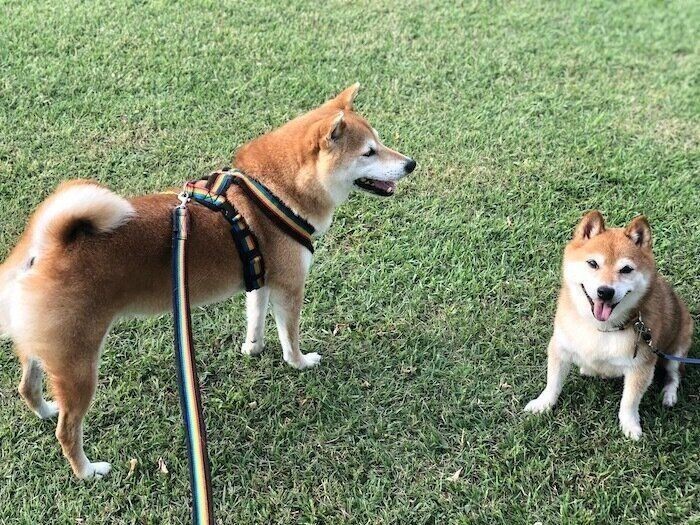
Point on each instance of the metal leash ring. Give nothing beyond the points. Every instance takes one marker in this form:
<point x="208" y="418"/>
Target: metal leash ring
<point x="184" y="196"/>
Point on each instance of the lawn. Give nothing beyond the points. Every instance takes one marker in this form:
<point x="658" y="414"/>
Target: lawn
<point x="432" y="309"/>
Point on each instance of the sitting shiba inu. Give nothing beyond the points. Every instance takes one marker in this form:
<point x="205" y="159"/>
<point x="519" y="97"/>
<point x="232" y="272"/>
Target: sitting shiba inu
<point x="89" y="257"/>
<point x="609" y="281"/>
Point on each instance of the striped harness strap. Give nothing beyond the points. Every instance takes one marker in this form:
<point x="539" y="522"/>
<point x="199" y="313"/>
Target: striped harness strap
<point x="211" y="192"/>
<point x="276" y="210"/>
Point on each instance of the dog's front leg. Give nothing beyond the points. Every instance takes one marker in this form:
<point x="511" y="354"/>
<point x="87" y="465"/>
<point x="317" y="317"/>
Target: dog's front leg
<point x="286" y="305"/>
<point x="558" y="367"/>
<point x="256" y="309"/>
<point x="637" y="381"/>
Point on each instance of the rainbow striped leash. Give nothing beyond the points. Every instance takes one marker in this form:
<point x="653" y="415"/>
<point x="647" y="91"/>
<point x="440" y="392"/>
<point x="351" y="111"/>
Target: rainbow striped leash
<point x="211" y="192"/>
<point x="190" y="398"/>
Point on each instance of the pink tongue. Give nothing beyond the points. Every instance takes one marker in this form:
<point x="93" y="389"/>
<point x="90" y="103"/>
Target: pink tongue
<point x="602" y="310"/>
<point x="385" y="185"/>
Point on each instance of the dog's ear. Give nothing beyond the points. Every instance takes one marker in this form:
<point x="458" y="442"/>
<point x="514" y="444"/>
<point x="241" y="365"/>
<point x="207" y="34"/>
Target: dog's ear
<point x="639" y="231"/>
<point x="333" y="130"/>
<point x="345" y="98"/>
<point x="590" y="225"/>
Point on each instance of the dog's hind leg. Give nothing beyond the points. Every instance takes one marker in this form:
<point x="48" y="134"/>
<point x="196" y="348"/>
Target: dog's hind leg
<point x="30" y="388"/>
<point x="286" y="306"/>
<point x="256" y="303"/>
<point x="70" y="355"/>
<point x="674" y="369"/>
<point x="74" y="384"/>
<point x="673" y="379"/>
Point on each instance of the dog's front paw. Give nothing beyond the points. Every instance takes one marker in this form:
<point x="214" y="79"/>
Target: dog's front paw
<point x="252" y="349"/>
<point x="95" y="470"/>
<point x="630" y="427"/>
<point x="306" y="361"/>
<point x="48" y="410"/>
<point x="541" y="404"/>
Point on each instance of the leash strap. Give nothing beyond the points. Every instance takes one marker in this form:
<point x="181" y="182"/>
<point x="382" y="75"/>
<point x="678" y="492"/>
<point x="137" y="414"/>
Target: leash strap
<point x="211" y="192"/>
<point x="190" y="397"/>
<point x="686" y="360"/>
<point x="644" y="334"/>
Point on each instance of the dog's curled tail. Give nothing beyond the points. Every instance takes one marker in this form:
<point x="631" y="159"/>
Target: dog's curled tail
<point x="77" y="207"/>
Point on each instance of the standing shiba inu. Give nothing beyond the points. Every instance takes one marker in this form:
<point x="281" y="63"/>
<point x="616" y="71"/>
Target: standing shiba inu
<point x="89" y="257"/>
<point x="609" y="281"/>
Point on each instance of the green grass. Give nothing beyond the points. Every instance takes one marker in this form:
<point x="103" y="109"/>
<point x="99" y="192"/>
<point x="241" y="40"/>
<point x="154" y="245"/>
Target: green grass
<point x="432" y="309"/>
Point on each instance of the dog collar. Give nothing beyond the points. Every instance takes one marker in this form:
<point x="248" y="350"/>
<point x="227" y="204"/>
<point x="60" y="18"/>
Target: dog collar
<point x="644" y="334"/>
<point x="632" y="321"/>
<point x="619" y="327"/>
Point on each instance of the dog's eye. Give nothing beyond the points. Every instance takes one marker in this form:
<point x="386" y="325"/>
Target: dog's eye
<point x="592" y="264"/>
<point x="626" y="269"/>
<point x="369" y="153"/>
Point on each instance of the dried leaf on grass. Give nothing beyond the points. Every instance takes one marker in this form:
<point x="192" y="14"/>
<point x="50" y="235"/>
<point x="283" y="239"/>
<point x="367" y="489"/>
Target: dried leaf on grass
<point x="133" y="462"/>
<point x="455" y="477"/>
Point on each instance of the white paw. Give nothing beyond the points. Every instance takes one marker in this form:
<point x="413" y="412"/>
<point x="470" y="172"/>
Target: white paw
<point x="631" y="428"/>
<point x="670" y="395"/>
<point x="306" y="361"/>
<point x="252" y="348"/>
<point x="586" y="372"/>
<point x="541" y="404"/>
<point x="48" y="410"/>
<point x="95" y="470"/>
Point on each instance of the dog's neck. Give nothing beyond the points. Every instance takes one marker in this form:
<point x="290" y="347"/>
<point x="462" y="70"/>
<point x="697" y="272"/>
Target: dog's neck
<point x="293" y="182"/>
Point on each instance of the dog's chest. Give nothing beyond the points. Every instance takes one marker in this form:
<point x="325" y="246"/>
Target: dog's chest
<point x="609" y="354"/>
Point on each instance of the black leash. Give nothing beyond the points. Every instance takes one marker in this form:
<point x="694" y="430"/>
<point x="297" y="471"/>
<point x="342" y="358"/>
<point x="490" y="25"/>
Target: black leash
<point x="644" y="334"/>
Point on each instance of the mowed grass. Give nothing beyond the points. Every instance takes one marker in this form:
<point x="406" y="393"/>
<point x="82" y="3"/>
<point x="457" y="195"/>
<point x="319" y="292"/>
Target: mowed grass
<point x="432" y="310"/>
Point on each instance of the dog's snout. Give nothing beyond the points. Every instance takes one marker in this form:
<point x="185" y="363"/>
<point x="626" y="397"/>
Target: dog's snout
<point x="606" y="293"/>
<point x="409" y="166"/>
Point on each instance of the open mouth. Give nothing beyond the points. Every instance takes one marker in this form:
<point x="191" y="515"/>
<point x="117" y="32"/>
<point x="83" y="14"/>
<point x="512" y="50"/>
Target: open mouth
<point x="378" y="187"/>
<point x="601" y="310"/>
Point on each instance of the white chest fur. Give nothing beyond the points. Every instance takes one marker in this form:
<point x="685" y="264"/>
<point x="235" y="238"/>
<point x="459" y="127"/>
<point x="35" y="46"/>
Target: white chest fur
<point x="609" y="354"/>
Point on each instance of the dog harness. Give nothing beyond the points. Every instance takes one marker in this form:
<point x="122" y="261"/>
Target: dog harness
<point x="210" y="191"/>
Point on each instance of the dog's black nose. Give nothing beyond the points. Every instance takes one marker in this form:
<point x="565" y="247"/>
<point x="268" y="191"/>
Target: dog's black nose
<point x="410" y="166"/>
<point x="606" y="293"/>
